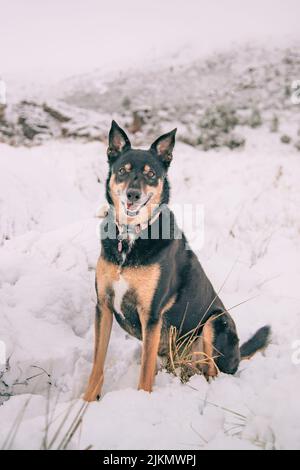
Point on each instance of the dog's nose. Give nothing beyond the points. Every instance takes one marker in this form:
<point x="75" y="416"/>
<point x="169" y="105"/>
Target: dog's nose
<point x="133" y="195"/>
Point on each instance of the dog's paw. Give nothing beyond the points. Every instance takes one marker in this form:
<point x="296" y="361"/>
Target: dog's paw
<point x="92" y="394"/>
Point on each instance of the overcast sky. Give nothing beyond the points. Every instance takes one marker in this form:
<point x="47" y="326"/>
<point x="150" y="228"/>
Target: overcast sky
<point x="51" y="39"/>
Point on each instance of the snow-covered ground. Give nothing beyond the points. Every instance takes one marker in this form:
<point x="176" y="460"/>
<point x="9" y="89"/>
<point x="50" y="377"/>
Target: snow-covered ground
<point x="48" y="198"/>
<point x="87" y="53"/>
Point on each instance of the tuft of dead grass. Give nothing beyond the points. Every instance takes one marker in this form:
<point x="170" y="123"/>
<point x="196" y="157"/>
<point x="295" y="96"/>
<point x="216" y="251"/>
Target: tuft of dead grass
<point x="185" y="357"/>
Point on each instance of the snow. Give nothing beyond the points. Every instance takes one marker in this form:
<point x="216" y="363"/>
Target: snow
<point x="86" y="53"/>
<point x="49" y="248"/>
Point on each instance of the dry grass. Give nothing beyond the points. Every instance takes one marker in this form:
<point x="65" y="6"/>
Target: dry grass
<point x="60" y="428"/>
<point x="185" y="358"/>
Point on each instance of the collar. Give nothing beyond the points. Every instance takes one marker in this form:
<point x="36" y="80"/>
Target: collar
<point x="130" y="232"/>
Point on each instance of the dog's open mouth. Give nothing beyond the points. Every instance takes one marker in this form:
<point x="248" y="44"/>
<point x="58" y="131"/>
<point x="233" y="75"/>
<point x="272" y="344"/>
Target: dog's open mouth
<point x="132" y="210"/>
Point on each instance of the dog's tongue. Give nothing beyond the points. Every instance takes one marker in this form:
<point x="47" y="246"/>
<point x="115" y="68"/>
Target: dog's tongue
<point x="129" y="205"/>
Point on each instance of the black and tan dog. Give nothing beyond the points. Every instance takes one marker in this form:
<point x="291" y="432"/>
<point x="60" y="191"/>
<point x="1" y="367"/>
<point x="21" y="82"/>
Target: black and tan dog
<point x="146" y="278"/>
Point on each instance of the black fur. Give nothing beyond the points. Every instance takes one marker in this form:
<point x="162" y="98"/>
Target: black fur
<point x="256" y="343"/>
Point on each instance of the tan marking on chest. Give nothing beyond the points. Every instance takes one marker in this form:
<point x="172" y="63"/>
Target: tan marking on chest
<point x="106" y="274"/>
<point x="169" y="304"/>
<point x="142" y="279"/>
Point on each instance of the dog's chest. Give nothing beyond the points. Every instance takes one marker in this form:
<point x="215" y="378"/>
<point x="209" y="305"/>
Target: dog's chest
<point x="120" y="288"/>
<point x="129" y="291"/>
<point x="125" y="304"/>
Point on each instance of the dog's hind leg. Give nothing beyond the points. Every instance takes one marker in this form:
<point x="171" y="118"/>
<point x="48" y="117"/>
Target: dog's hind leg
<point x="103" y="325"/>
<point x="207" y="340"/>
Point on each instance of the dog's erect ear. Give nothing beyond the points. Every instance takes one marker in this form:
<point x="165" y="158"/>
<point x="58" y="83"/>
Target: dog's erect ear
<point x="164" y="145"/>
<point x="118" y="141"/>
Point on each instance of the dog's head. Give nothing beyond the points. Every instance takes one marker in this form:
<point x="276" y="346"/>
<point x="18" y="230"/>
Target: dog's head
<point x="137" y="182"/>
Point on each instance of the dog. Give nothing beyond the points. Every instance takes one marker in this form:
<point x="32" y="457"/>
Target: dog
<point x="148" y="281"/>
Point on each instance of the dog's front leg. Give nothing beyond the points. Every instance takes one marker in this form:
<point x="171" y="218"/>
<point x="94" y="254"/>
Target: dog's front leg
<point x="151" y="337"/>
<point x="103" y="325"/>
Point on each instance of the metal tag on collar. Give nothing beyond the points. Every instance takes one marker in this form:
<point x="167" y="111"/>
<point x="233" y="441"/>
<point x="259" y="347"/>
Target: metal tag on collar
<point x="120" y="240"/>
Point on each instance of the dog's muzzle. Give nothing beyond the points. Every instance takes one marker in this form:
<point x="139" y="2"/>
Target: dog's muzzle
<point x="134" y="202"/>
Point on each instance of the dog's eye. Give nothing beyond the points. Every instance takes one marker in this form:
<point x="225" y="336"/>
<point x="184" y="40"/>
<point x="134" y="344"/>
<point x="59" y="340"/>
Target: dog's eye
<point x="122" y="171"/>
<point x="151" y="174"/>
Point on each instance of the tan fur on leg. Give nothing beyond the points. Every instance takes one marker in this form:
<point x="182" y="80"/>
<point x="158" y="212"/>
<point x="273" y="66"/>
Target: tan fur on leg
<point x="103" y="329"/>
<point x="151" y="339"/>
<point x="208" y="348"/>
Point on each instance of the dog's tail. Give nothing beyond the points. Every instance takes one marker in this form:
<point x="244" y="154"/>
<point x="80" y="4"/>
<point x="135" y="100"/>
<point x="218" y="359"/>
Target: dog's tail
<point x="256" y="343"/>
